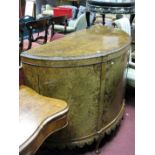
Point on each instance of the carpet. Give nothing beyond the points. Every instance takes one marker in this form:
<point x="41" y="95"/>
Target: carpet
<point x="34" y="44"/>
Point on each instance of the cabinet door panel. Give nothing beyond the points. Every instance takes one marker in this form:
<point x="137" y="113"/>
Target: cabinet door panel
<point x="79" y="87"/>
<point x="114" y="88"/>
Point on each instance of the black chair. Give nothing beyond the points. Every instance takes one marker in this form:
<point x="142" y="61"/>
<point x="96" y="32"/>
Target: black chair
<point x="23" y="31"/>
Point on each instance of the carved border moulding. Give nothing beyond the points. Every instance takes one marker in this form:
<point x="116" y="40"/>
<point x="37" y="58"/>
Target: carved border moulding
<point x="110" y="10"/>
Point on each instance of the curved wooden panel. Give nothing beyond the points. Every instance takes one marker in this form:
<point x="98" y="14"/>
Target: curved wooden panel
<point x="39" y="117"/>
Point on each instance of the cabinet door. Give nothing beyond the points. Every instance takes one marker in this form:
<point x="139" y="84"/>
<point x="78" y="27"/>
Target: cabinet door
<point x="114" y="88"/>
<point x="79" y="87"/>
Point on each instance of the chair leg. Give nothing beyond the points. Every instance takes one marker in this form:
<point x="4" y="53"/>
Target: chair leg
<point x="97" y="149"/>
<point x="103" y="19"/>
<point x="65" y="29"/>
<point x="30" y="44"/>
<point x="132" y="18"/>
<point x="19" y="57"/>
<point x="46" y="34"/>
<point x="88" y="19"/>
<point x="30" y="40"/>
<point x="52" y="32"/>
<point x="21" y="46"/>
<point x="21" y="43"/>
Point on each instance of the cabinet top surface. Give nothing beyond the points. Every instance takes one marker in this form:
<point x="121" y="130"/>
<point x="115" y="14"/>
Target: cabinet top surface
<point x="93" y="42"/>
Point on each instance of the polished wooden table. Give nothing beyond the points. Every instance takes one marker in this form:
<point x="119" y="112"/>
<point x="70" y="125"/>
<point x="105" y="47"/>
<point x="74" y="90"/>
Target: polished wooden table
<point x="39" y="117"/>
<point x="88" y="70"/>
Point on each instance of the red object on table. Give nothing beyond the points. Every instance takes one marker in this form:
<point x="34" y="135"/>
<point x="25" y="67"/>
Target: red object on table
<point x="60" y="11"/>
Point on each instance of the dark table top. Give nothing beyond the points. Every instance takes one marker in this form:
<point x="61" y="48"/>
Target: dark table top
<point x="111" y="6"/>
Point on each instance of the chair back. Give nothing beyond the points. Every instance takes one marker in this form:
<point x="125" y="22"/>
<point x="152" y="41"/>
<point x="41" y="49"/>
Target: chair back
<point x="124" y="24"/>
<point x="81" y="22"/>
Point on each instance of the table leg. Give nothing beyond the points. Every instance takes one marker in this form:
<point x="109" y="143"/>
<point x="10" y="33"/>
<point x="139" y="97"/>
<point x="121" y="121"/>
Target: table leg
<point x="21" y="43"/>
<point x="97" y="150"/>
<point x="103" y="19"/>
<point x="88" y="19"/>
<point x="52" y="32"/>
<point x="132" y="16"/>
<point x="30" y="39"/>
<point x="46" y="34"/>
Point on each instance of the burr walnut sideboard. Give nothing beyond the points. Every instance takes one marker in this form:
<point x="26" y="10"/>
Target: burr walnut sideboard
<point x="87" y="69"/>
